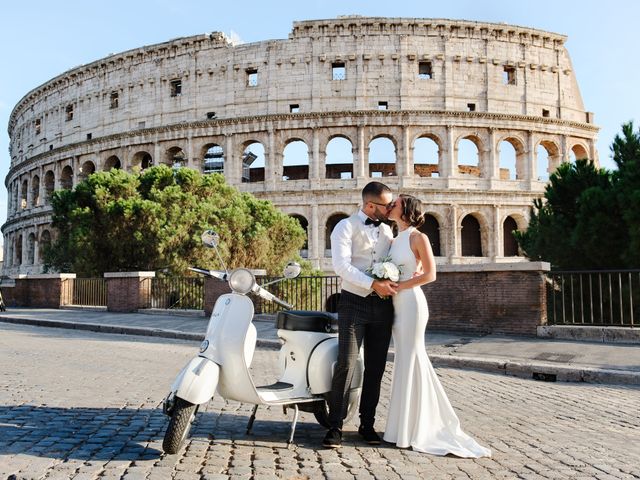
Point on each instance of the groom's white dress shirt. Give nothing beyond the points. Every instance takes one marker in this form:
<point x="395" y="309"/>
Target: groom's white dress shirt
<point x="355" y="247"/>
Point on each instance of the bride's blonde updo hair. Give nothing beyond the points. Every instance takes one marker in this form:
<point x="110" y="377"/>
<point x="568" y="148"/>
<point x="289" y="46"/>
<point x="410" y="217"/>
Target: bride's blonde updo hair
<point x="411" y="210"/>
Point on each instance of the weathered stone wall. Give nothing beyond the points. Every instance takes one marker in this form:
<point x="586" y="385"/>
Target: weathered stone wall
<point x="488" y="83"/>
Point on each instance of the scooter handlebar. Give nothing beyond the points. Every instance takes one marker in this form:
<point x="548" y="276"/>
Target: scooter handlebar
<point x="258" y="290"/>
<point x="210" y="273"/>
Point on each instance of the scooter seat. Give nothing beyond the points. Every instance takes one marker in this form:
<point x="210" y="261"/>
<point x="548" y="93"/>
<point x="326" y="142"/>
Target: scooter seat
<point x="306" y="321"/>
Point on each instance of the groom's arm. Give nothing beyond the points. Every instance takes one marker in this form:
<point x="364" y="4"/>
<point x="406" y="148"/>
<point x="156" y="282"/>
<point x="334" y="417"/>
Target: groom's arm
<point x="341" y="245"/>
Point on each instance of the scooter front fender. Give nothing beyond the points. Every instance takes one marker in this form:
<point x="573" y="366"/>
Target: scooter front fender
<point x="197" y="382"/>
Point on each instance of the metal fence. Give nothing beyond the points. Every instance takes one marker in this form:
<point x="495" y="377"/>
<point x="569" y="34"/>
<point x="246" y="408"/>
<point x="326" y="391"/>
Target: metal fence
<point x="86" y="292"/>
<point x="604" y="297"/>
<point x="180" y="293"/>
<point x="304" y="293"/>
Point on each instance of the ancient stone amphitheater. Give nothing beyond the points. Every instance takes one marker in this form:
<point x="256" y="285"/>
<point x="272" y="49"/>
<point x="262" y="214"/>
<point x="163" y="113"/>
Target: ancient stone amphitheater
<point x="307" y="121"/>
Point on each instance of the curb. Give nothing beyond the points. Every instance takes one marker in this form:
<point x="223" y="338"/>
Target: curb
<point x="543" y="371"/>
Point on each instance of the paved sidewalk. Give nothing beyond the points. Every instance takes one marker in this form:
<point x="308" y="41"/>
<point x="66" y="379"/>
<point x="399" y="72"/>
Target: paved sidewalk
<point x="527" y="357"/>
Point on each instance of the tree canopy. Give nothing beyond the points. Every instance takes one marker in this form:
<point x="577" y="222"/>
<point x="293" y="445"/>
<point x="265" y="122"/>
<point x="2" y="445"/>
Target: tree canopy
<point x="117" y="221"/>
<point x="590" y="217"/>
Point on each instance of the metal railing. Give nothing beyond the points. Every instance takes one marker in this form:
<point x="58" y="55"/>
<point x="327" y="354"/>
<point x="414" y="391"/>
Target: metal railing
<point x="180" y="293"/>
<point x="604" y="297"/>
<point x="304" y="293"/>
<point x="86" y="292"/>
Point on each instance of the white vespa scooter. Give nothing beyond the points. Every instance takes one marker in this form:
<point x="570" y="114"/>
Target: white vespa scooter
<point x="307" y="357"/>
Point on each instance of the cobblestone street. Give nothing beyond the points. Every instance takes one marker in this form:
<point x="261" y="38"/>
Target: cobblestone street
<point x="85" y="406"/>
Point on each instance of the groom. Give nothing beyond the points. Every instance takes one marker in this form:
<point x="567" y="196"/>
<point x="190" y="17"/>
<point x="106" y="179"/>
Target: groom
<point x="364" y="316"/>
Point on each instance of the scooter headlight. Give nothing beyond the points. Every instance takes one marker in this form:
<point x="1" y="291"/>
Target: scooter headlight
<point x="242" y="281"/>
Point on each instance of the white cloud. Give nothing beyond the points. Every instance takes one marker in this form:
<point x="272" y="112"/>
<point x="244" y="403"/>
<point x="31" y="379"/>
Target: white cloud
<point x="234" y="38"/>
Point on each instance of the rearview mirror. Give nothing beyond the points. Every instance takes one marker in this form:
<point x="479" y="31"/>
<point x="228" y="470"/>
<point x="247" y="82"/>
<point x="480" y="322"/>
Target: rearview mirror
<point x="292" y="270"/>
<point x="210" y="238"/>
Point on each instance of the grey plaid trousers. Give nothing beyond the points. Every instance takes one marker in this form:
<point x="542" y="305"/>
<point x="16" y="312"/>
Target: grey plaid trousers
<point x="368" y="321"/>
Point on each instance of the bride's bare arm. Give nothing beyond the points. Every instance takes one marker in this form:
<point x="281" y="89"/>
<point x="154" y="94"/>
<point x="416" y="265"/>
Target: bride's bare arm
<point x="421" y="248"/>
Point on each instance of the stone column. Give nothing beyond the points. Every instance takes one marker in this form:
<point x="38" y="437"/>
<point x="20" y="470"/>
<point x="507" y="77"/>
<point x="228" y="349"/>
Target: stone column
<point x="532" y="163"/>
<point x="454" y="246"/>
<point x="447" y="161"/>
<point x="316" y="164"/>
<point x="128" y="291"/>
<point x="491" y="158"/>
<point x="314" y="238"/>
<point x="191" y="161"/>
<point x="272" y="164"/>
<point x="157" y="154"/>
<point x="360" y="159"/>
<point x="232" y="166"/>
<point x="498" y="241"/>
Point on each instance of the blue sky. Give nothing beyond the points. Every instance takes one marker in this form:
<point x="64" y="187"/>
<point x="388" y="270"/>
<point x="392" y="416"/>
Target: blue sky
<point x="41" y="39"/>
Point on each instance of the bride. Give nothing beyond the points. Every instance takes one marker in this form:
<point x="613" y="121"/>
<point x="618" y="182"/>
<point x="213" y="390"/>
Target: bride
<point x="420" y="415"/>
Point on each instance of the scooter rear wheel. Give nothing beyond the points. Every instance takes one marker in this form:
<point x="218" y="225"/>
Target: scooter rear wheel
<point x="179" y="426"/>
<point x="321" y="409"/>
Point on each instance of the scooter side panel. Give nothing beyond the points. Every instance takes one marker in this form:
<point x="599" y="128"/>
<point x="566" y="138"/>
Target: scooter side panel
<point x="323" y="363"/>
<point x="197" y="382"/>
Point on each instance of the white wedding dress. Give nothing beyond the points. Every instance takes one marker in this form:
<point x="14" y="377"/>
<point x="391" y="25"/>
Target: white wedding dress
<point x="420" y="415"/>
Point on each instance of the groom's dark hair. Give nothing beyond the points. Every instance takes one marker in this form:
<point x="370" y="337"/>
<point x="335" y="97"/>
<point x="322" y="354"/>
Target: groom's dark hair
<point x="374" y="190"/>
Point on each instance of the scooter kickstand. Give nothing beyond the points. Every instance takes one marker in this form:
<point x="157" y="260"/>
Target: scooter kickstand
<point x="293" y="424"/>
<point x="252" y="419"/>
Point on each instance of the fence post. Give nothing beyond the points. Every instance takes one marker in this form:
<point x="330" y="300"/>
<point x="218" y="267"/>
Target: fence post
<point x="128" y="291"/>
<point x="49" y="290"/>
<point x="213" y="288"/>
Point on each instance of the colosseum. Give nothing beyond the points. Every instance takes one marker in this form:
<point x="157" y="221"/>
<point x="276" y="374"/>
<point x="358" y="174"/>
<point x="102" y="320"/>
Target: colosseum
<point x="307" y="121"/>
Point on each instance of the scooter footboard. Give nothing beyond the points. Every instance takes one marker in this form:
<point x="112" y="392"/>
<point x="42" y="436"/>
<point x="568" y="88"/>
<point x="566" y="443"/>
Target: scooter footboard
<point x="197" y="382"/>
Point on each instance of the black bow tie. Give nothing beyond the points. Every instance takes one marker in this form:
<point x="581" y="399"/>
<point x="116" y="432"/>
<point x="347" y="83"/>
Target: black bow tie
<point x="375" y="223"/>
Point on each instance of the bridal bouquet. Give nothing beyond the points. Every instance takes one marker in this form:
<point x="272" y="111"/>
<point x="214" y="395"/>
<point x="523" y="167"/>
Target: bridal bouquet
<point x="385" y="269"/>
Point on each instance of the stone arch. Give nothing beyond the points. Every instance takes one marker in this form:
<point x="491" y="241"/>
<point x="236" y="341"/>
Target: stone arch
<point x="31" y="248"/>
<point x="43" y="244"/>
<point x="339" y="157"/>
<point x="66" y="178"/>
<point x="426" y="155"/>
<point x="330" y="224"/>
<point x="295" y="159"/>
<point x="515" y="163"/>
<point x="469" y="161"/>
<point x="49" y="185"/>
<point x="24" y="190"/>
<point x="471" y="236"/>
<point x="35" y="191"/>
<point x="141" y="160"/>
<point x="304" y="223"/>
<point x="509" y="243"/>
<point x="381" y="148"/>
<point x="431" y="228"/>
<point x="579" y="151"/>
<point x="253" y="161"/>
<point x="547" y="158"/>
<point x="212" y="158"/>
<point x="112" y="162"/>
<point x="18" y="250"/>
<point x="86" y="169"/>
<point x="175" y="157"/>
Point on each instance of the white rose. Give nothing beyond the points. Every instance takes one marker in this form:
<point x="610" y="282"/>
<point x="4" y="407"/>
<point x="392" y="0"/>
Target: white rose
<point x="391" y="271"/>
<point x="378" y="270"/>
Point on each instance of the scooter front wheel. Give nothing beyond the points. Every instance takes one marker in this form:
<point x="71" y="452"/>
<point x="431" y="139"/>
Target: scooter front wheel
<point x="182" y="417"/>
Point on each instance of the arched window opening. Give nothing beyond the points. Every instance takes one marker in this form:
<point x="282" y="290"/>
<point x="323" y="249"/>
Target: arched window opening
<point x="66" y="178"/>
<point x="332" y="221"/>
<point x="578" y="152"/>
<point x="175" y="158"/>
<point x="44" y="244"/>
<point x="425" y="157"/>
<point x="49" y="185"/>
<point x="213" y="161"/>
<point x="305" y="226"/>
<point x="295" y="161"/>
<point x="382" y="158"/>
<point x="87" y="168"/>
<point x="23" y="194"/>
<point x="339" y="159"/>
<point x="18" y="250"/>
<point x="35" y="191"/>
<point x="471" y="239"/>
<point x="509" y="241"/>
<point x="31" y="249"/>
<point x="468" y="158"/>
<point x="543" y="165"/>
<point x="431" y="228"/>
<point x="507" y="161"/>
<point x="111" y="163"/>
<point x="253" y="163"/>
<point x="141" y="160"/>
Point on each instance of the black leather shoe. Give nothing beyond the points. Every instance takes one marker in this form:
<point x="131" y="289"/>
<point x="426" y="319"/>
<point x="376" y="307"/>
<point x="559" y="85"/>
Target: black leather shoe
<point x="333" y="438"/>
<point x="369" y="435"/>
